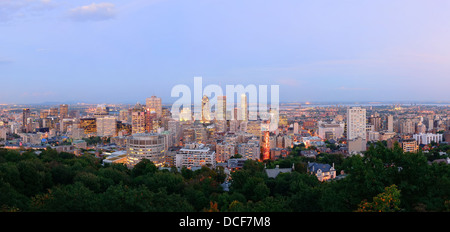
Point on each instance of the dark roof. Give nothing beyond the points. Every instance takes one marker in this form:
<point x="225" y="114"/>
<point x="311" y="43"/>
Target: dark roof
<point x="313" y="167"/>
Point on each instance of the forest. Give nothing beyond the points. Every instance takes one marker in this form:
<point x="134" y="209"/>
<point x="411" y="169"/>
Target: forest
<point x="383" y="180"/>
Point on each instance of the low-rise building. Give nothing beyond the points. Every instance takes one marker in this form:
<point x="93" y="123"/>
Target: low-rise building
<point x="323" y="172"/>
<point x="194" y="156"/>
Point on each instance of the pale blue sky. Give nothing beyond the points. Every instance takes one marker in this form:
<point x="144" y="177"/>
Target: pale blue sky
<point x="125" y="51"/>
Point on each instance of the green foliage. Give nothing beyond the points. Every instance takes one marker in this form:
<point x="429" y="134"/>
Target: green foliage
<point x="62" y="182"/>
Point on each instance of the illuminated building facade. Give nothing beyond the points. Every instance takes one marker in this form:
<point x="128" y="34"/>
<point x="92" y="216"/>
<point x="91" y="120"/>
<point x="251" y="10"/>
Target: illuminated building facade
<point x="145" y="146"/>
<point x="89" y="125"/>
<point x="154" y="104"/>
<point x="63" y="111"/>
<point x="323" y="172"/>
<point x="195" y="156"/>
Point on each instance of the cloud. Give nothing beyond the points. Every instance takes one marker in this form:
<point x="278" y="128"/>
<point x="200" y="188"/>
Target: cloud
<point x="16" y="9"/>
<point x="93" y="12"/>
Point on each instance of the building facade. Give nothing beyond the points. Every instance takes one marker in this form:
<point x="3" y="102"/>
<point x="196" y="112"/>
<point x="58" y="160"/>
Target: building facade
<point x="145" y="146"/>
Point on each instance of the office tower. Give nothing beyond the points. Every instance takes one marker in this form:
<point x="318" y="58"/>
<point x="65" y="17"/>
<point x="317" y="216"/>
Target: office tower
<point x="63" y="111"/>
<point x="206" y="110"/>
<point x="26" y="113"/>
<point x="390" y="123"/>
<point x="53" y="112"/>
<point x="106" y="126"/>
<point x="151" y="123"/>
<point x="221" y="111"/>
<point x="138" y="122"/>
<point x="145" y="146"/>
<point x="356" y="123"/>
<point x="244" y="108"/>
<point x="89" y="125"/>
<point x="154" y="103"/>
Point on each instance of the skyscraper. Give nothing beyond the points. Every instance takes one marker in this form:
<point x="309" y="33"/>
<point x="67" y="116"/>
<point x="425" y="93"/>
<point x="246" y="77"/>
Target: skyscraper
<point x="390" y="123"/>
<point x="221" y="111"/>
<point x="206" y="110"/>
<point x="138" y="122"/>
<point x="26" y="113"/>
<point x="356" y="123"/>
<point x="106" y="126"/>
<point x="63" y="111"/>
<point x="244" y="108"/>
<point x="154" y="103"/>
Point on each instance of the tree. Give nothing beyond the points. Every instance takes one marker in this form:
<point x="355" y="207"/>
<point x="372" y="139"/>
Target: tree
<point x="144" y="167"/>
<point x="387" y="201"/>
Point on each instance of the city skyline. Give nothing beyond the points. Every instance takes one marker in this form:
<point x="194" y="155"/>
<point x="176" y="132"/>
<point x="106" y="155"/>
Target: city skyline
<point x="124" y="52"/>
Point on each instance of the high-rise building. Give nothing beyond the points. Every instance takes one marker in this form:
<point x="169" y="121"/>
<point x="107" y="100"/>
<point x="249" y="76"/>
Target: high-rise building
<point x="151" y="123"/>
<point x="206" y="110"/>
<point x="26" y="113"/>
<point x="106" y="126"/>
<point x="63" y="111"/>
<point x="154" y="103"/>
<point x="89" y="125"/>
<point x="221" y="109"/>
<point x="244" y="108"/>
<point x="390" y="123"/>
<point x="356" y="123"/>
<point x="53" y="112"/>
<point x="138" y="122"/>
<point x="145" y="146"/>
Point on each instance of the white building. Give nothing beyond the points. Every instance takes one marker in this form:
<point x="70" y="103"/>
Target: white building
<point x="106" y="126"/>
<point x="194" y="156"/>
<point x="356" y="123"/>
<point x="428" y="138"/>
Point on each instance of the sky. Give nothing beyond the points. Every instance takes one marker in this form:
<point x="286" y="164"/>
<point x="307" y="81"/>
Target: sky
<point x="318" y="51"/>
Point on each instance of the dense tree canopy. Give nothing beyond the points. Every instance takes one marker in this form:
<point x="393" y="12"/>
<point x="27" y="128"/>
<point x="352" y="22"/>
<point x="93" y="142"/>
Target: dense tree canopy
<point x="381" y="180"/>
